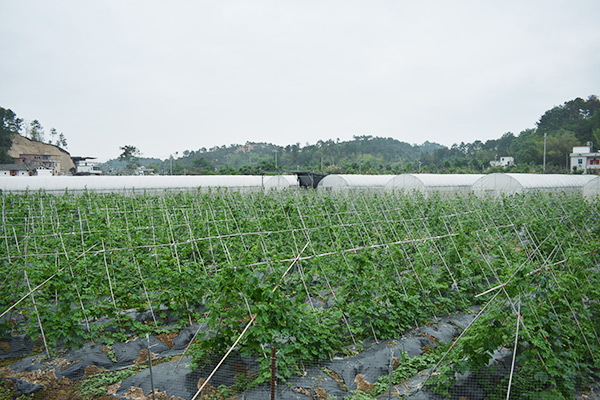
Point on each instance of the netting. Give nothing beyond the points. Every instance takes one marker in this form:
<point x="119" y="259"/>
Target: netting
<point x="372" y="294"/>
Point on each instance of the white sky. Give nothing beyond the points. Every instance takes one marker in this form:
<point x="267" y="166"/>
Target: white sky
<point x="177" y="75"/>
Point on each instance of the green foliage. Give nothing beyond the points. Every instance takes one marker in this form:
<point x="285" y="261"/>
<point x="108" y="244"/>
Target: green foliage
<point x="9" y="126"/>
<point x="130" y="154"/>
<point x="96" y="385"/>
<point x="35" y="131"/>
<point x="375" y="265"/>
<point x="407" y="368"/>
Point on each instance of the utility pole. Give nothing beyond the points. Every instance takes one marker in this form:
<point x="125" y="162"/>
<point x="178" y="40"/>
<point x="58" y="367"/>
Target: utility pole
<point x="545" y="153"/>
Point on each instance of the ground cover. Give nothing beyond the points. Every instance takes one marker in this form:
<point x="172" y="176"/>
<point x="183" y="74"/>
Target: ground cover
<point x="312" y="275"/>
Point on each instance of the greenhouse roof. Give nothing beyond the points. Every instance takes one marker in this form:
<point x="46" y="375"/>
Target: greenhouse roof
<point x="592" y="188"/>
<point x="280" y="181"/>
<point x="514" y="183"/>
<point x="434" y="181"/>
<point x="130" y="183"/>
<point x="354" y="181"/>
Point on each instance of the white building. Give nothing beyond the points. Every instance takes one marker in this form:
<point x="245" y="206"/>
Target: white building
<point x="85" y="167"/>
<point x="15" y="170"/>
<point x="43" y="171"/>
<point x="506" y="161"/>
<point x="582" y="159"/>
<point x="142" y="170"/>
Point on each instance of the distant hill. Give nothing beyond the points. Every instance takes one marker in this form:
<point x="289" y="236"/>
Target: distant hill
<point x="365" y="154"/>
<point x="116" y="165"/>
<point x="573" y="123"/>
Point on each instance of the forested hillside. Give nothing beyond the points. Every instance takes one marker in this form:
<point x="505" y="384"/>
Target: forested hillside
<point x="363" y="154"/>
<point x="574" y="123"/>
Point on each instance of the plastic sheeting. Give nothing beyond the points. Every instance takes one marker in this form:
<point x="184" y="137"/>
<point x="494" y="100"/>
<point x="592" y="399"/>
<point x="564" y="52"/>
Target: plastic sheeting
<point x="429" y="183"/>
<point x="279" y="182"/>
<point x="496" y="184"/>
<point x="140" y="184"/>
<point x="346" y="182"/>
<point x="592" y="188"/>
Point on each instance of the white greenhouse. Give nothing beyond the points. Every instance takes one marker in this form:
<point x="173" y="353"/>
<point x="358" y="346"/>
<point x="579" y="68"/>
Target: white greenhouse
<point x="141" y="184"/>
<point x="592" y="188"/>
<point x="280" y="182"/>
<point x="350" y="182"/>
<point x="433" y="183"/>
<point x="496" y="184"/>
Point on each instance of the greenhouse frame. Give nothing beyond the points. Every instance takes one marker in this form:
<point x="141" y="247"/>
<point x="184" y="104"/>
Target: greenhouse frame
<point x="280" y="182"/>
<point x="349" y="182"/>
<point x="149" y="184"/>
<point x="433" y="183"/>
<point x="592" y="188"/>
<point x="508" y="184"/>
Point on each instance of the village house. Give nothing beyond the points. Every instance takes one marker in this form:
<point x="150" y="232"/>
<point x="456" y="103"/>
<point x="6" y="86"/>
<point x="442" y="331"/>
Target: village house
<point x="15" y="170"/>
<point x="584" y="160"/>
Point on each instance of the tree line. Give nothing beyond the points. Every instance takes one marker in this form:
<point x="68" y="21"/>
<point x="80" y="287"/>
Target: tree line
<point x="574" y="123"/>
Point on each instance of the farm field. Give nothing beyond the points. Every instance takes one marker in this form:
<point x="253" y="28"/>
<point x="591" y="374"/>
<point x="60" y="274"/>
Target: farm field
<point x="316" y="276"/>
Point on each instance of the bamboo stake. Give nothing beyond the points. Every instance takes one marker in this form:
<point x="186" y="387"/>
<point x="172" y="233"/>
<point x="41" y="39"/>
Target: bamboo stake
<point x="458" y="338"/>
<point x="112" y="295"/>
<point x="37" y="314"/>
<point x="139" y="271"/>
<point x="327" y="279"/>
<point x="4" y="227"/>
<point x="512" y="367"/>
<point x="172" y="237"/>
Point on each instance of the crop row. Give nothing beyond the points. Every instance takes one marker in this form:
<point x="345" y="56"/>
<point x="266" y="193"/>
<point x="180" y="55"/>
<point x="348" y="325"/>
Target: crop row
<point x="312" y="272"/>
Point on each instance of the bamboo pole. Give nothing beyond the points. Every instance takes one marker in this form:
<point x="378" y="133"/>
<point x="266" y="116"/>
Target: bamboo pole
<point x="479" y="314"/>
<point x="112" y="294"/>
<point x="512" y="367"/>
<point x="37" y="314"/>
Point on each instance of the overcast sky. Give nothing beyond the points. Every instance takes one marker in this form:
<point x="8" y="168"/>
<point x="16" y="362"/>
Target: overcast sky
<point x="168" y="76"/>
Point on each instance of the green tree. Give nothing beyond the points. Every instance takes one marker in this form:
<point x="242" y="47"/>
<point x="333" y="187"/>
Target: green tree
<point x="131" y="155"/>
<point x="578" y="116"/>
<point x="9" y="126"/>
<point x="203" y="167"/>
<point x="36" y="131"/>
<point x="62" y="141"/>
<point x="53" y="135"/>
<point x="596" y="138"/>
<point x="558" y="147"/>
<point x="529" y="148"/>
